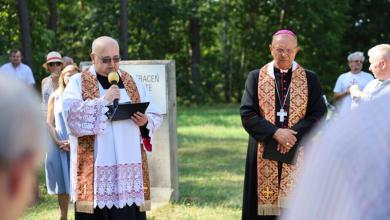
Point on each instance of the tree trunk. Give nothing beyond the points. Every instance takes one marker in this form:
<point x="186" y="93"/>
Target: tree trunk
<point x="24" y="23"/>
<point x="123" y="34"/>
<point x="52" y="24"/>
<point x="282" y="18"/>
<point x="243" y="72"/>
<point x="226" y="57"/>
<point x="194" y="29"/>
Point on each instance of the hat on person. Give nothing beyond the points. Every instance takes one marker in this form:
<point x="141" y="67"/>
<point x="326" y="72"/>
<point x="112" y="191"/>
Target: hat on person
<point x="53" y="57"/>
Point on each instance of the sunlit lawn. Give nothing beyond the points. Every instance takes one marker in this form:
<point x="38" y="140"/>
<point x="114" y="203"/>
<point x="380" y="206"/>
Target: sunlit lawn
<point x="212" y="149"/>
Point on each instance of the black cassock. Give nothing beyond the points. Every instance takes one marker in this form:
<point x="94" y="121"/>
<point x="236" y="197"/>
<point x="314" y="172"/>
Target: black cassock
<point x="259" y="129"/>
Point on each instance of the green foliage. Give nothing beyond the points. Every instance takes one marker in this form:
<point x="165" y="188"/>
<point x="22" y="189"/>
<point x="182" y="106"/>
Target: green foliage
<point x="234" y="36"/>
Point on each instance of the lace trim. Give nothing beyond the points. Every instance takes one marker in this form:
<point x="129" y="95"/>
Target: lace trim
<point x="87" y="117"/>
<point x="154" y="121"/>
<point x="119" y="185"/>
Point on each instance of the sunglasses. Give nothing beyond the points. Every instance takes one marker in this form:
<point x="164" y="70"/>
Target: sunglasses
<point x="54" y="64"/>
<point x="109" y="59"/>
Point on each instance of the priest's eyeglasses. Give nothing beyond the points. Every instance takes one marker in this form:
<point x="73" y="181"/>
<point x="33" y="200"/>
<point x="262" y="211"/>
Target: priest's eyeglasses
<point x="108" y="59"/>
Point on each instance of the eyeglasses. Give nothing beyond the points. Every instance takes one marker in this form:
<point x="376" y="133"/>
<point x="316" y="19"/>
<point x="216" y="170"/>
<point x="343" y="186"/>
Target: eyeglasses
<point x="106" y="60"/>
<point x="285" y="51"/>
<point x="357" y="61"/>
<point x="54" y="64"/>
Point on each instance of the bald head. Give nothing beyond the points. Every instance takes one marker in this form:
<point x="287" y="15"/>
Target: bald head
<point x="381" y="51"/>
<point x="379" y="57"/>
<point x="100" y="44"/>
<point x="105" y="55"/>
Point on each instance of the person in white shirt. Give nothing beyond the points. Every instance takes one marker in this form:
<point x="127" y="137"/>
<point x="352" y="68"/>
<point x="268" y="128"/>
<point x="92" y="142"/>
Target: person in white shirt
<point x="17" y="69"/>
<point x="380" y="67"/>
<point x="354" y="77"/>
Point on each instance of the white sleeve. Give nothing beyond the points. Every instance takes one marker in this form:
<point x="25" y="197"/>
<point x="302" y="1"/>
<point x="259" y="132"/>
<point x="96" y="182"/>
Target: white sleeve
<point x="83" y="117"/>
<point x="30" y="76"/>
<point x="337" y="87"/>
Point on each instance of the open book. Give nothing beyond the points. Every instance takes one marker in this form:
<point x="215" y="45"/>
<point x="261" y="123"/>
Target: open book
<point x="125" y="110"/>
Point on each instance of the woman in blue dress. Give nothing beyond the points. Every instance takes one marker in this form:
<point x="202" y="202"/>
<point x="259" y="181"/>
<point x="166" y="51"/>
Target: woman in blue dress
<point x="57" y="158"/>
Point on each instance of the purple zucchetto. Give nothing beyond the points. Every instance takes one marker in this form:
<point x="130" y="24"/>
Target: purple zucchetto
<point x="285" y="31"/>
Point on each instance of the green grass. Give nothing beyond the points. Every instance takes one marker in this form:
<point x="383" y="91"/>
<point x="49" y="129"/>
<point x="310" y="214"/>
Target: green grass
<point x="212" y="150"/>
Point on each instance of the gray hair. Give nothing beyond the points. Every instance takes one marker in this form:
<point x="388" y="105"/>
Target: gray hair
<point x="380" y="51"/>
<point x="100" y="42"/>
<point x="358" y="55"/>
<point x="22" y="128"/>
<point x="67" y="59"/>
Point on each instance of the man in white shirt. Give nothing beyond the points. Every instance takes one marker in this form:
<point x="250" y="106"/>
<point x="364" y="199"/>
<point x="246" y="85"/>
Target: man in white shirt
<point x="18" y="69"/>
<point x="354" y="77"/>
<point x="380" y="67"/>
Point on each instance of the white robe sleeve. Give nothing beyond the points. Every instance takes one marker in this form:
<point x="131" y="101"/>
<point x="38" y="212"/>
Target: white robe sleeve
<point x="83" y="117"/>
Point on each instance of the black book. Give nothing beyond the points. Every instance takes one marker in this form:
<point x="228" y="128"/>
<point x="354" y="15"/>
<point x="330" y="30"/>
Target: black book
<point x="271" y="153"/>
<point x="125" y="110"/>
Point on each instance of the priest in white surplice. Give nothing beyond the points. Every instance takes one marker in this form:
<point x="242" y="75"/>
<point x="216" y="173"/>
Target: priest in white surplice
<point x="109" y="173"/>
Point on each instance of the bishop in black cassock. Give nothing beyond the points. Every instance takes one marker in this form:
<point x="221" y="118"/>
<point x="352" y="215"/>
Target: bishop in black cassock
<point x="281" y="103"/>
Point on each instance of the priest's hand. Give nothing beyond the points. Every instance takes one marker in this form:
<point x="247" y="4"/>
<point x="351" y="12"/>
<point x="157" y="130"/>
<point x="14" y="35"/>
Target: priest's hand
<point x="139" y="119"/>
<point x="112" y="93"/>
<point x="285" y="137"/>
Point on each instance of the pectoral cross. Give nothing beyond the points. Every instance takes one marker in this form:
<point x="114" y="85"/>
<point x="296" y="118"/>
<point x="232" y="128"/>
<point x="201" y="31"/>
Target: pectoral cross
<point x="281" y="114"/>
<point x="267" y="193"/>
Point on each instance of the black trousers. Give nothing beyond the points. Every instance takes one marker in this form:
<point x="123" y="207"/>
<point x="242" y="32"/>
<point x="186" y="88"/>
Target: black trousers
<point x="125" y="213"/>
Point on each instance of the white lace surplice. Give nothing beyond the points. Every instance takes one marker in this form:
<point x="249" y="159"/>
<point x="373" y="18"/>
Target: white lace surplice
<point x="118" y="169"/>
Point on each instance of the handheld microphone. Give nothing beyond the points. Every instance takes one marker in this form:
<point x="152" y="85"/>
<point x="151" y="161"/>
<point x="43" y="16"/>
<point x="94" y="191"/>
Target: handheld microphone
<point x="113" y="79"/>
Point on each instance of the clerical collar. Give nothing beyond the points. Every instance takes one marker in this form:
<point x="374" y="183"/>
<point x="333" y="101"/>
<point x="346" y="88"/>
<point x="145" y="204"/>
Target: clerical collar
<point x="103" y="80"/>
<point x="279" y="71"/>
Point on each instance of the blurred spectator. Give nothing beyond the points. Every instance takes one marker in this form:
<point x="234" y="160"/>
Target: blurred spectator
<point x="346" y="175"/>
<point x="53" y="65"/>
<point x="21" y="146"/>
<point x="57" y="159"/>
<point x="380" y="67"/>
<point x="67" y="61"/>
<point x="354" y="77"/>
<point x="18" y="69"/>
